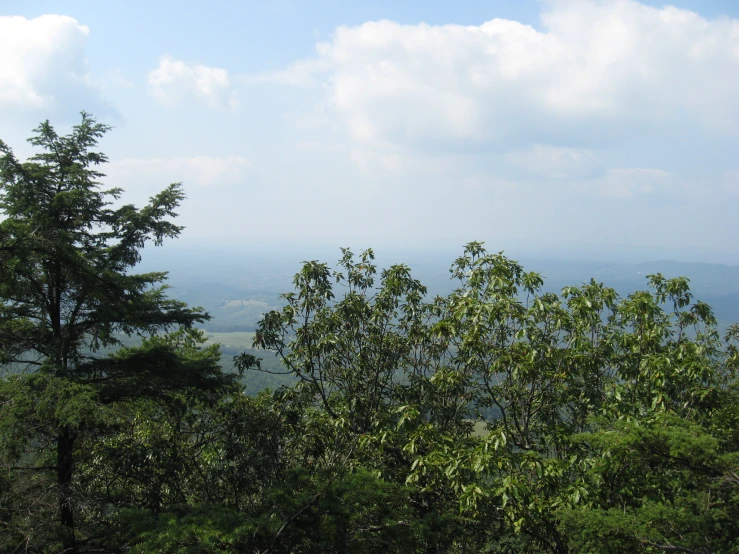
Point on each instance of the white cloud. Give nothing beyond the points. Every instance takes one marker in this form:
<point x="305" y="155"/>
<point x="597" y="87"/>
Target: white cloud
<point x="731" y="182"/>
<point x="301" y="73"/>
<point x="599" y="72"/>
<point x="556" y="163"/>
<point x="156" y="173"/>
<point x="627" y="182"/>
<point x="114" y="78"/>
<point x="174" y="82"/>
<point x="43" y="66"/>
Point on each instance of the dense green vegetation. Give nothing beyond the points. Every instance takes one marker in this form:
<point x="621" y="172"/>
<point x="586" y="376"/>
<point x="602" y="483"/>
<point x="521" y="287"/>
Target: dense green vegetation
<point x="497" y="418"/>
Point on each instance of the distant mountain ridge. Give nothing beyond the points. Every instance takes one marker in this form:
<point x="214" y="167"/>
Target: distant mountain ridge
<point x="216" y="280"/>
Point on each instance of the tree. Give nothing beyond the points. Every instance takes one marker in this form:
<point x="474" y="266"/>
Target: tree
<point x="371" y="363"/>
<point x="609" y="422"/>
<point x="66" y="292"/>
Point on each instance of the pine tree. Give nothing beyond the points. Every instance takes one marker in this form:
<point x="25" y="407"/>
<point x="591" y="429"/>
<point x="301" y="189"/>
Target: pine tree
<point x="66" y="292"/>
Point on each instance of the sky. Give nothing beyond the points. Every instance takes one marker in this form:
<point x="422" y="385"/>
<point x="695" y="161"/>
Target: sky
<point x="560" y="128"/>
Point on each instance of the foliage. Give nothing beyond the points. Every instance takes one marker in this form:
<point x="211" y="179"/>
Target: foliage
<point x="497" y="418"/>
<point x="561" y="381"/>
<point x="65" y="292"/>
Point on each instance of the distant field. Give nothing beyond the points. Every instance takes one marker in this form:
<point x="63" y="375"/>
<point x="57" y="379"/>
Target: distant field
<point x="232" y="340"/>
<point x="246" y="303"/>
<point x="480" y="430"/>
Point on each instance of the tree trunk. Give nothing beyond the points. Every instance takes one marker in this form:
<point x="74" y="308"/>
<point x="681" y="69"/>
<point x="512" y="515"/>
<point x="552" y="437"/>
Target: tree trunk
<point x="65" y="467"/>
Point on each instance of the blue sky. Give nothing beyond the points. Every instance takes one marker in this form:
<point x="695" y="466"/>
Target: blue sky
<point x="574" y="128"/>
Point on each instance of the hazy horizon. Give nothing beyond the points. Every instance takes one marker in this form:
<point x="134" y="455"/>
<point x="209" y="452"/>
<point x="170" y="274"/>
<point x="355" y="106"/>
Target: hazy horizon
<point x="329" y="250"/>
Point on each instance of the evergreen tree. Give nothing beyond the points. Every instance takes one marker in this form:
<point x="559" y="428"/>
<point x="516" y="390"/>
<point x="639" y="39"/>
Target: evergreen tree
<point x="66" y="291"/>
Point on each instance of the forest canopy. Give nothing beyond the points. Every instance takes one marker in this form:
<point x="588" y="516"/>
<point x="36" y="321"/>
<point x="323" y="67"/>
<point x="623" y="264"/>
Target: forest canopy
<point x="497" y="418"/>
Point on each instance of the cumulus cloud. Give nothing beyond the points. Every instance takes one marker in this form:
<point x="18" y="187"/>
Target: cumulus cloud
<point x="598" y="72"/>
<point x="43" y="66"/>
<point x="201" y="171"/>
<point x="174" y="82"/>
